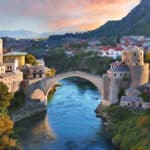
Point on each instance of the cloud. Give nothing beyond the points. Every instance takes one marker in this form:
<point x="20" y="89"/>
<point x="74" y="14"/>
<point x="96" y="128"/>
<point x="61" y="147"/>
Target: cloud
<point x="63" y="15"/>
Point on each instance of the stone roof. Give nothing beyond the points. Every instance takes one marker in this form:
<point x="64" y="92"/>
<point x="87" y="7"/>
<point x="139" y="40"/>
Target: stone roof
<point x="120" y="68"/>
<point x="132" y="91"/>
<point x="131" y="99"/>
<point x="15" y="53"/>
<point x="9" y="61"/>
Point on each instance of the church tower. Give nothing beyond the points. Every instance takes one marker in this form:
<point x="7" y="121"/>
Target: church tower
<point x="1" y="52"/>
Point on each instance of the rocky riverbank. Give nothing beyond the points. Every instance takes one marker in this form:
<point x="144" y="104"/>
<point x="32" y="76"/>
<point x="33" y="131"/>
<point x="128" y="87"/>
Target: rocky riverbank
<point x="29" y="109"/>
<point x="101" y="113"/>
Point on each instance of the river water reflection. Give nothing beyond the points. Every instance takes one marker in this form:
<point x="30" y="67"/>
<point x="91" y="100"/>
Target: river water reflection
<point x="69" y="124"/>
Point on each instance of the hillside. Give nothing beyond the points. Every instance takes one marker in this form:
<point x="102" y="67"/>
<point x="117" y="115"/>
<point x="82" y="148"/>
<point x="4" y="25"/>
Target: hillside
<point x="137" y="22"/>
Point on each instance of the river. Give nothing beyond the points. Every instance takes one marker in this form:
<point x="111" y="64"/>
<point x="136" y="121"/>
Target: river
<point x="69" y="124"/>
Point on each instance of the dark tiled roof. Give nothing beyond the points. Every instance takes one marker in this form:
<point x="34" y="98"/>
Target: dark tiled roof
<point x="120" y="68"/>
<point x="131" y="99"/>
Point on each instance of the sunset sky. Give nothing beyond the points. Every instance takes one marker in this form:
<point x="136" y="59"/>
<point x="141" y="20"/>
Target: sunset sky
<point x="59" y="16"/>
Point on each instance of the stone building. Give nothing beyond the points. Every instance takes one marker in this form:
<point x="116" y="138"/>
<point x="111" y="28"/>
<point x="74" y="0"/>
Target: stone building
<point x="19" y="56"/>
<point x="9" y="73"/>
<point x="33" y="72"/>
<point x="130" y="72"/>
<point x="131" y="101"/>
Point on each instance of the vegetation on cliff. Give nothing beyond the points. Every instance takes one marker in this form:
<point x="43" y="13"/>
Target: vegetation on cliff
<point x="7" y="142"/>
<point x="88" y="62"/>
<point x="128" y="129"/>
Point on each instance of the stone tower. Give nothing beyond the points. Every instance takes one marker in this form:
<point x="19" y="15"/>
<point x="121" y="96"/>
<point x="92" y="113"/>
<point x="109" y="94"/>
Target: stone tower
<point x="133" y="56"/>
<point x="1" y="51"/>
<point x="139" y="71"/>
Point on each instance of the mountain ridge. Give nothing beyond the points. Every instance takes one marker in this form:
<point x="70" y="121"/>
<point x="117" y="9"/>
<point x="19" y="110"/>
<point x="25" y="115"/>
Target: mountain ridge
<point x="137" y="19"/>
<point x="23" y="34"/>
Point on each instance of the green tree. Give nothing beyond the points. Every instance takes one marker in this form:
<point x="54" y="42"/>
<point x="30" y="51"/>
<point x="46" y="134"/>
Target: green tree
<point x="147" y="57"/>
<point x="6" y="124"/>
<point x="121" y="93"/>
<point x="5" y="96"/>
<point x="18" y="100"/>
<point x="30" y="59"/>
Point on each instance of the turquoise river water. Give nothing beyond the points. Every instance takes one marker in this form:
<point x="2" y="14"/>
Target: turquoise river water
<point x="69" y="123"/>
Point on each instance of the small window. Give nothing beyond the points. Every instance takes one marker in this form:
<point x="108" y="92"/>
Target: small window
<point x="7" y="67"/>
<point x="120" y="74"/>
<point x="115" y="75"/>
<point x="134" y="54"/>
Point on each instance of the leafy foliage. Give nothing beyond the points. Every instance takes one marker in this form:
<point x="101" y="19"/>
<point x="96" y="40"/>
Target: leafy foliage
<point x="50" y="72"/>
<point x="121" y="93"/>
<point x="147" y="57"/>
<point x="88" y="62"/>
<point x="30" y="59"/>
<point x="129" y="129"/>
<point x="5" y="96"/>
<point x="6" y="129"/>
<point x="6" y="124"/>
<point x="18" y="100"/>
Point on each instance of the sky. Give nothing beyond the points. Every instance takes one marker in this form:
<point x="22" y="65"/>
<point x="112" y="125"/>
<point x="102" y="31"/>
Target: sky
<point x="61" y="16"/>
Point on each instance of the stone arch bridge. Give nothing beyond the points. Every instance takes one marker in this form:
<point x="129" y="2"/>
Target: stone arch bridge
<point x="46" y="84"/>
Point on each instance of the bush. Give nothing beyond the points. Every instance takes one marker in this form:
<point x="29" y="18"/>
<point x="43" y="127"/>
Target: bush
<point x="5" y="96"/>
<point x="30" y="59"/>
<point x="18" y="100"/>
<point x="121" y="93"/>
<point x="129" y="129"/>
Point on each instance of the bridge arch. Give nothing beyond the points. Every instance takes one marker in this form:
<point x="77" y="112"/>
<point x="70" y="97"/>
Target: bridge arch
<point x="46" y="84"/>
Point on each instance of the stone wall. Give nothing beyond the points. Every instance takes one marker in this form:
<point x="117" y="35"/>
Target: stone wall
<point x="106" y="87"/>
<point x="12" y="80"/>
<point x="139" y="75"/>
<point x="111" y="89"/>
<point x="29" y="109"/>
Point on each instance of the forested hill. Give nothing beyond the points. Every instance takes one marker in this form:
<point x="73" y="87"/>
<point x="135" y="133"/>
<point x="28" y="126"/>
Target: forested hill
<point x="137" y="22"/>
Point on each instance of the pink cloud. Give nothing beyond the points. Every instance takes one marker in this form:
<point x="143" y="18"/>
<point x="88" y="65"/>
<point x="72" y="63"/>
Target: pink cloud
<point x="61" y="15"/>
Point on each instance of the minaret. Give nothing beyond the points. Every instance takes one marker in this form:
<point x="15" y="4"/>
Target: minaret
<point x="1" y="52"/>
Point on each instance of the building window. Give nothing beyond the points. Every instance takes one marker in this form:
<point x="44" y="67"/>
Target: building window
<point x="7" y="67"/>
<point x="115" y="75"/>
<point x="120" y="74"/>
<point x="134" y="54"/>
<point x="40" y="75"/>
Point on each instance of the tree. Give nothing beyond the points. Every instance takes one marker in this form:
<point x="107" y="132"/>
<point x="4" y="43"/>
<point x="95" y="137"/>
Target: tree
<point x="6" y="129"/>
<point x="5" y="96"/>
<point x="30" y="59"/>
<point x="147" y="57"/>
<point x="18" y="100"/>
<point x="6" y="124"/>
<point x="121" y="93"/>
<point x="50" y="72"/>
